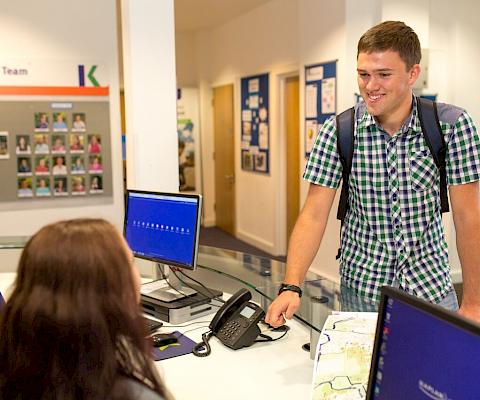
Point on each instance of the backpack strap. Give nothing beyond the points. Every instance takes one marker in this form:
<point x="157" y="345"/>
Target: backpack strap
<point x="432" y="132"/>
<point x="345" y="139"/>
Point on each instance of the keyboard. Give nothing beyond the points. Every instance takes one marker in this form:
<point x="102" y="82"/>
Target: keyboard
<point x="152" y="325"/>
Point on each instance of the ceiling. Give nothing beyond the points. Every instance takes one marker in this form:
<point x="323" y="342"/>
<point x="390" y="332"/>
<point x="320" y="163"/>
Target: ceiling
<point x="191" y="15"/>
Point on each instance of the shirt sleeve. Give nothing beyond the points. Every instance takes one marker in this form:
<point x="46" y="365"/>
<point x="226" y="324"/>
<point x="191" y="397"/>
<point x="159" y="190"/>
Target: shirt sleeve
<point x="324" y="167"/>
<point x="463" y="152"/>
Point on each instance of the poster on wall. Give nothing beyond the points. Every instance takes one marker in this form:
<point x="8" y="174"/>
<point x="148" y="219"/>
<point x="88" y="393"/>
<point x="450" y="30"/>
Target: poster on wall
<point x="255" y="140"/>
<point x="320" y="99"/>
<point x="188" y="139"/>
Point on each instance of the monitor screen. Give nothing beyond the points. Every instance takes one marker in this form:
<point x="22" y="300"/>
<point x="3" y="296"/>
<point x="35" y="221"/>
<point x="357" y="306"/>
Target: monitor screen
<point x="163" y="227"/>
<point x="422" y="351"/>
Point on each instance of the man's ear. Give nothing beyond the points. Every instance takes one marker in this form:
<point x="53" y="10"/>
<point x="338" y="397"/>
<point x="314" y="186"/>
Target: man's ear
<point x="414" y="73"/>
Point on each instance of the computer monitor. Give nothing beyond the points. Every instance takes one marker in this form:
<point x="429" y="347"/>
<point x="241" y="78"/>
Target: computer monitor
<point x="422" y="351"/>
<point x="164" y="228"/>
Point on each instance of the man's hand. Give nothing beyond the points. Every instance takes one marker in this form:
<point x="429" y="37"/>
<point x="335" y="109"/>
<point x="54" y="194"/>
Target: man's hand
<point x="284" y="306"/>
<point x="472" y="313"/>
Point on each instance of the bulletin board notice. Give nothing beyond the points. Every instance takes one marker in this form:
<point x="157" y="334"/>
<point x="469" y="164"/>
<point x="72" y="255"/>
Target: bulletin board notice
<point x="320" y="99"/>
<point x="255" y="140"/>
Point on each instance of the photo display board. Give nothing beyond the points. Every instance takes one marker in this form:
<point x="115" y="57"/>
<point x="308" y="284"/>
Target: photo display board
<point x="320" y="99"/>
<point x="54" y="150"/>
<point x="255" y="138"/>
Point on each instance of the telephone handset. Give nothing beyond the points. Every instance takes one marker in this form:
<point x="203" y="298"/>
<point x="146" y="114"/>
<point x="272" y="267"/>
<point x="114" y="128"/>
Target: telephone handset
<point x="236" y="322"/>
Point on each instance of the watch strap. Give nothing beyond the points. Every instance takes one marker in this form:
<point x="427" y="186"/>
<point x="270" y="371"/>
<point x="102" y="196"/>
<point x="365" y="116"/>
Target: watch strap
<point x="292" y="288"/>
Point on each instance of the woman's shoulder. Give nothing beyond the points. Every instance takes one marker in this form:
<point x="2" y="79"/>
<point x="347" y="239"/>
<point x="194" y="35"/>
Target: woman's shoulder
<point x="138" y="390"/>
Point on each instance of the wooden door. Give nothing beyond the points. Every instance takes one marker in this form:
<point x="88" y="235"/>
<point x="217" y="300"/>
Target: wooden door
<point x="291" y="112"/>
<point x="224" y="158"/>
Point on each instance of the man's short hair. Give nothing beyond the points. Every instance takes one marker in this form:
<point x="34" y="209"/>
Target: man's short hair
<point x="394" y="36"/>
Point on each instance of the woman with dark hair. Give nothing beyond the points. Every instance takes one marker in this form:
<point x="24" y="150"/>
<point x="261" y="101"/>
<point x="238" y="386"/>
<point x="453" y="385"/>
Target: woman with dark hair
<point x="72" y="327"/>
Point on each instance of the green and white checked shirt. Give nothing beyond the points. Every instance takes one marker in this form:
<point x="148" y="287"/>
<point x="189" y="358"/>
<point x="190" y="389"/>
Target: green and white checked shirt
<point x="393" y="232"/>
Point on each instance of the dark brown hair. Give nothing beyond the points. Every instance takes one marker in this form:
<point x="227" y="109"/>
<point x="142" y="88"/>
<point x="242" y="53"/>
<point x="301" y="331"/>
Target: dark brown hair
<point x="72" y="326"/>
<point x="394" y="36"/>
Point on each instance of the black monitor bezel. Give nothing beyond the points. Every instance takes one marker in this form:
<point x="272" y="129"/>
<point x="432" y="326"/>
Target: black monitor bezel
<point x="197" y="227"/>
<point x="433" y="309"/>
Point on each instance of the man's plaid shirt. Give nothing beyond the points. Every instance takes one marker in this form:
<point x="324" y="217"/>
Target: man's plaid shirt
<point x="393" y="232"/>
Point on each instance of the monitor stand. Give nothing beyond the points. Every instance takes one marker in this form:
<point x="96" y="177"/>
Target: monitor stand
<point x="168" y="287"/>
<point x="177" y="307"/>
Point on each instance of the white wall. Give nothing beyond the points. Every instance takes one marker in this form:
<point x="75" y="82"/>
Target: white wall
<point x="264" y="40"/>
<point x="54" y="31"/>
<point x="296" y="33"/>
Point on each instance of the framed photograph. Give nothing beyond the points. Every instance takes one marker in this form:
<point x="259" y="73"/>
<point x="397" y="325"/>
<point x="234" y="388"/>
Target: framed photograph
<point x="77" y="183"/>
<point x="96" y="184"/>
<point x="59" y="122"/>
<point x="60" y="186"/>
<point x="94" y="144"/>
<point x="95" y="164"/>
<point x="79" y="122"/>
<point x="42" y="187"/>
<point x="4" y="153"/>
<point x="58" y="144"/>
<point x="41" y="144"/>
<point x="41" y="122"/>
<point x="24" y="166"/>
<point x="42" y="165"/>
<point x="77" y="143"/>
<point x="77" y="165"/>
<point x="59" y="166"/>
<point x="23" y="144"/>
<point x="24" y="187"/>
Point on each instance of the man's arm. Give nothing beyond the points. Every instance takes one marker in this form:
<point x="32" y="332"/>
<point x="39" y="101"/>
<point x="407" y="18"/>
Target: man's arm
<point x="304" y="242"/>
<point x="465" y="201"/>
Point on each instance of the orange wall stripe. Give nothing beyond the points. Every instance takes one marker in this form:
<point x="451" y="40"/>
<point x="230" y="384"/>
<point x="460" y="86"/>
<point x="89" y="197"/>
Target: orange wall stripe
<point x="55" y="90"/>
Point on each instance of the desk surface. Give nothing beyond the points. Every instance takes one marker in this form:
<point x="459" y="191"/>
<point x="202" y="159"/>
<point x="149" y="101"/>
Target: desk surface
<point x="271" y="370"/>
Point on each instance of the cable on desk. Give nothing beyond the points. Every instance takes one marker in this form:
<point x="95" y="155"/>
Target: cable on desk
<point x="201" y="284"/>
<point x="203" y="349"/>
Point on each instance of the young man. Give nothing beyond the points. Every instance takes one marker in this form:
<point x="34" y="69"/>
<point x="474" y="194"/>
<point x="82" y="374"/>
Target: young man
<point x="392" y="233"/>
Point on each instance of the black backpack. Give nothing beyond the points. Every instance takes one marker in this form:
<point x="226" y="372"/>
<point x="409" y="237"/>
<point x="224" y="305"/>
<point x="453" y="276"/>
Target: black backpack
<point x="428" y="115"/>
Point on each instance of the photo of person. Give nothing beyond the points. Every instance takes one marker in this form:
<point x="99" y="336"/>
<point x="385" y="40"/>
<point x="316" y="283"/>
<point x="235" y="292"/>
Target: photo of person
<point x="95" y="164"/>
<point x="58" y="144"/>
<point x="78" y="185"/>
<point x="59" y="122"/>
<point x="41" y="122"/>
<point x="24" y="166"/>
<point x="77" y="166"/>
<point x="25" y="187"/>
<point x="77" y="143"/>
<point x="23" y="144"/>
<point x="79" y="122"/>
<point x="94" y="144"/>
<point x="41" y="144"/>
<point x="59" y="167"/>
<point x="42" y="166"/>
<point x="4" y="145"/>
<point x="43" y="187"/>
<point x="96" y="184"/>
<point x="60" y="186"/>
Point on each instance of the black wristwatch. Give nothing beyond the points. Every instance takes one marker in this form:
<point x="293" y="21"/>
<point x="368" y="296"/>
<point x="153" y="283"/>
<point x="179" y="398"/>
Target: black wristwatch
<point x="291" y="288"/>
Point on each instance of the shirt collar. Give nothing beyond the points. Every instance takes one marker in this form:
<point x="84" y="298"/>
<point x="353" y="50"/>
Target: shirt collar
<point x="411" y="123"/>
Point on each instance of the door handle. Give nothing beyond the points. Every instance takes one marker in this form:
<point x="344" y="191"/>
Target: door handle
<point x="230" y="178"/>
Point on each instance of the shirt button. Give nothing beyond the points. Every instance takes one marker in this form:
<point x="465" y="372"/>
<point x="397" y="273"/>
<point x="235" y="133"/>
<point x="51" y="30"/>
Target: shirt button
<point x="393" y="170"/>
<point x="394" y="197"/>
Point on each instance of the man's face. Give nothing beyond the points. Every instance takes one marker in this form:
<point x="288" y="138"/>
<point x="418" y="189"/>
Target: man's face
<point x="385" y="83"/>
